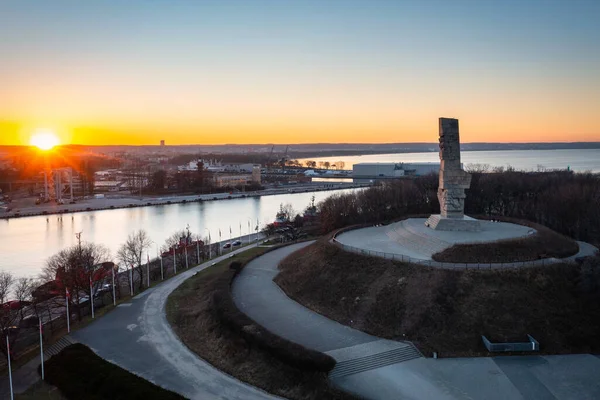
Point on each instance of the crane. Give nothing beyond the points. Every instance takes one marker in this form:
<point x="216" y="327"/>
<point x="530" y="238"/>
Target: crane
<point x="284" y="159"/>
<point x="269" y="158"/>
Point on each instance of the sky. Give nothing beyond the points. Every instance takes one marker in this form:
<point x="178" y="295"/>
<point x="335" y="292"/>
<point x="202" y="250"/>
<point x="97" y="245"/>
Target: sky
<point x="286" y="71"/>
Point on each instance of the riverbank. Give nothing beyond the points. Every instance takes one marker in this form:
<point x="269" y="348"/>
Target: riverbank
<point x="116" y="201"/>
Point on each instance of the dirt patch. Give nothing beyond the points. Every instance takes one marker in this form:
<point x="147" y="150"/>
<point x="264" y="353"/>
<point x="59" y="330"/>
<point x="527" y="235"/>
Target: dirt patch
<point x="190" y="310"/>
<point x="444" y="310"/>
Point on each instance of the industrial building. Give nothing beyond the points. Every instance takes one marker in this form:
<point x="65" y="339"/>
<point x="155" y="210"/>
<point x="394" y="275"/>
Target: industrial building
<point x="393" y="170"/>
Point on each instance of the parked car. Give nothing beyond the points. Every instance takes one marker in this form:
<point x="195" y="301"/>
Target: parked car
<point x="236" y="243"/>
<point x="227" y="245"/>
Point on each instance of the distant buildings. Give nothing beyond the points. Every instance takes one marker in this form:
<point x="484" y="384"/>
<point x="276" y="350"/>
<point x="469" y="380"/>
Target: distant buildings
<point x="162" y="142"/>
<point x="390" y="170"/>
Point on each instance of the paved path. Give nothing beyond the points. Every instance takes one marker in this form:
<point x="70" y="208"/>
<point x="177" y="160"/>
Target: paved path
<point x="137" y="336"/>
<point x="411" y="241"/>
<point x="364" y="365"/>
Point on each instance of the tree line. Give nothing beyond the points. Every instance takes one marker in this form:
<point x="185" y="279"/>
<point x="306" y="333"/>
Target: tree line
<point x="564" y="201"/>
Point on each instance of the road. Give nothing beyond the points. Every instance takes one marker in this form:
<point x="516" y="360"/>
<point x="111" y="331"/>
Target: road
<point x="368" y="367"/>
<point x="119" y="201"/>
<point x="137" y="336"/>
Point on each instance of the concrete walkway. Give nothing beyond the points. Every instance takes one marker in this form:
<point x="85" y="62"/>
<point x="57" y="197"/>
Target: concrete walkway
<point x="380" y="369"/>
<point x="137" y="337"/>
<point x="411" y="241"/>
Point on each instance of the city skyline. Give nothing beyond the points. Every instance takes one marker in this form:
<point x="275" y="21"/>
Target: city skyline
<point x="299" y="72"/>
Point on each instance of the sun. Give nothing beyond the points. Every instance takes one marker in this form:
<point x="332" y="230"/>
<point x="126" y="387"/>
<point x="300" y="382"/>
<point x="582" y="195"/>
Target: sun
<point x="44" y="140"/>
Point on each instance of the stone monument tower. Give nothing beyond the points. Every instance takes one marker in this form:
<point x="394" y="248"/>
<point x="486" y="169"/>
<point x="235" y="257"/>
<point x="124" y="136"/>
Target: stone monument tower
<point x="453" y="182"/>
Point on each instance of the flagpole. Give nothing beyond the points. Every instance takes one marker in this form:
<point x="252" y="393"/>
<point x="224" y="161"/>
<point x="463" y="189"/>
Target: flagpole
<point x="148" y="269"/>
<point x="174" y="262"/>
<point x="162" y="275"/>
<point x="41" y="349"/>
<point x="92" y="297"/>
<point x="249" y="232"/>
<point x="9" y="369"/>
<point x="113" y="282"/>
<point x="209" y="245"/>
<point x="198" y="248"/>
<point x="68" y="319"/>
<point x="131" y="279"/>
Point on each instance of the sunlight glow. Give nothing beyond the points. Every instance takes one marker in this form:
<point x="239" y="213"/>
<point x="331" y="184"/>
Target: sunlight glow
<point x="44" y="140"/>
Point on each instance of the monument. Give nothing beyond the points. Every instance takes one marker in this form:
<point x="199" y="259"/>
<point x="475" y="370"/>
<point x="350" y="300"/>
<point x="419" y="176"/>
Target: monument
<point x="452" y="183"/>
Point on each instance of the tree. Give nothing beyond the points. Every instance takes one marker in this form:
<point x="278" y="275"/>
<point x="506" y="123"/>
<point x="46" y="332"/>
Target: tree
<point x="286" y="212"/>
<point x="340" y="164"/>
<point x="158" y="180"/>
<point x="15" y="300"/>
<point x="132" y="251"/>
<point x="311" y="164"/>
<point x="74" y="268"/>
<point x="177" y="241"/>
<point x="326" y="164"/>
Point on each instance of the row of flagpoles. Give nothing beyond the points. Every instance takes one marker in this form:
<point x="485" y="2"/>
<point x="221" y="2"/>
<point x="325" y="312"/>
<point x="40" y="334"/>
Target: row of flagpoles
<point x="162" y="276"/>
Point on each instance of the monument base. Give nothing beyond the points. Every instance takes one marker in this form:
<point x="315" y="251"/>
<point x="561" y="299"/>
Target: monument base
<point x="464" y="224"/>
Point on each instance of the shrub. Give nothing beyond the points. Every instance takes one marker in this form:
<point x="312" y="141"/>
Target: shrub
<point x="80" y="374"/>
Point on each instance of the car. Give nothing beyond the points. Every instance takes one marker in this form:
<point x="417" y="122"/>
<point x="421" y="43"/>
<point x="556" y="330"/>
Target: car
<point x="237" y="243"/>
<point x="227" y="245"/>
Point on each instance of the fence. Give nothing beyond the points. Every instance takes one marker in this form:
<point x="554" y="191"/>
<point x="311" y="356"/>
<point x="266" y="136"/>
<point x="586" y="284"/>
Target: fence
<point x="437" y="264"/>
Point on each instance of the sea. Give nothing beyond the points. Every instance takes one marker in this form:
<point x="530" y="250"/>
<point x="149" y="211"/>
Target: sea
<point x="584" y="160"/>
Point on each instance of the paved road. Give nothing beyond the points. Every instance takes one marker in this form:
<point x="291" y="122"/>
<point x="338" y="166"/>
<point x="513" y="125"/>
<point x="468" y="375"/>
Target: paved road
<point x="517" y="377"/>
<point x="137" y="336"/>
<point x="117" y="201"/>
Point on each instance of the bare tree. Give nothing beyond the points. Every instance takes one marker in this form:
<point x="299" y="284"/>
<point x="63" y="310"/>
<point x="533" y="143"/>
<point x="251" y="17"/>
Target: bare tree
<point x="7" y="316"/>
<point x="176" y="242"/>
<point x="23" y="289"/>
<point x="15" y="296"/>
<point x="132" y="251"/>
<point x="80" y="269"/>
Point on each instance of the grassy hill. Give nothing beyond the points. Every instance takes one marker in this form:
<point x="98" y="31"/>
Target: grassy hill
<point x="448" y="311"/>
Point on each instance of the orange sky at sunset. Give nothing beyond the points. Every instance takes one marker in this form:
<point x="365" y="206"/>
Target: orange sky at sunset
<point x="199" y="73"/>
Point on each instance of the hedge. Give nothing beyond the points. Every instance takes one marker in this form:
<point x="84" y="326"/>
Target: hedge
<point x="289" y="352"/>
<point x="81" y="374"/>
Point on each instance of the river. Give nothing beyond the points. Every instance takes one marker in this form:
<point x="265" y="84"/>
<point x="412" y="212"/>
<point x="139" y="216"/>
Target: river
<point x="527" y="160"/>
<point x="26" y="243"/>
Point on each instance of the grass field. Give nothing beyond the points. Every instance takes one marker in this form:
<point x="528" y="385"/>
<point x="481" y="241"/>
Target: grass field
<point x="544" y="244"/>
<point x="446" y="311"/>
<point x="190" y="310"/>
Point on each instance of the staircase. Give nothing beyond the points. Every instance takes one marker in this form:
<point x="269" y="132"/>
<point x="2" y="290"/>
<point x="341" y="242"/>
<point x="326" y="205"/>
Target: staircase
<point x="373" y="361"/>
<point x="58" y="346"/>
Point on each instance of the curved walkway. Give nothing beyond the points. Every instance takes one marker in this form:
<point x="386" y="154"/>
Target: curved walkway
<point x="137" y="337"/>
<point x="373" y="368"/>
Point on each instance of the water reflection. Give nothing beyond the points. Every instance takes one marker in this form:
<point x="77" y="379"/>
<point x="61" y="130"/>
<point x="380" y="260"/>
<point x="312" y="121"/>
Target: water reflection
<point x="26" y="243"/>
